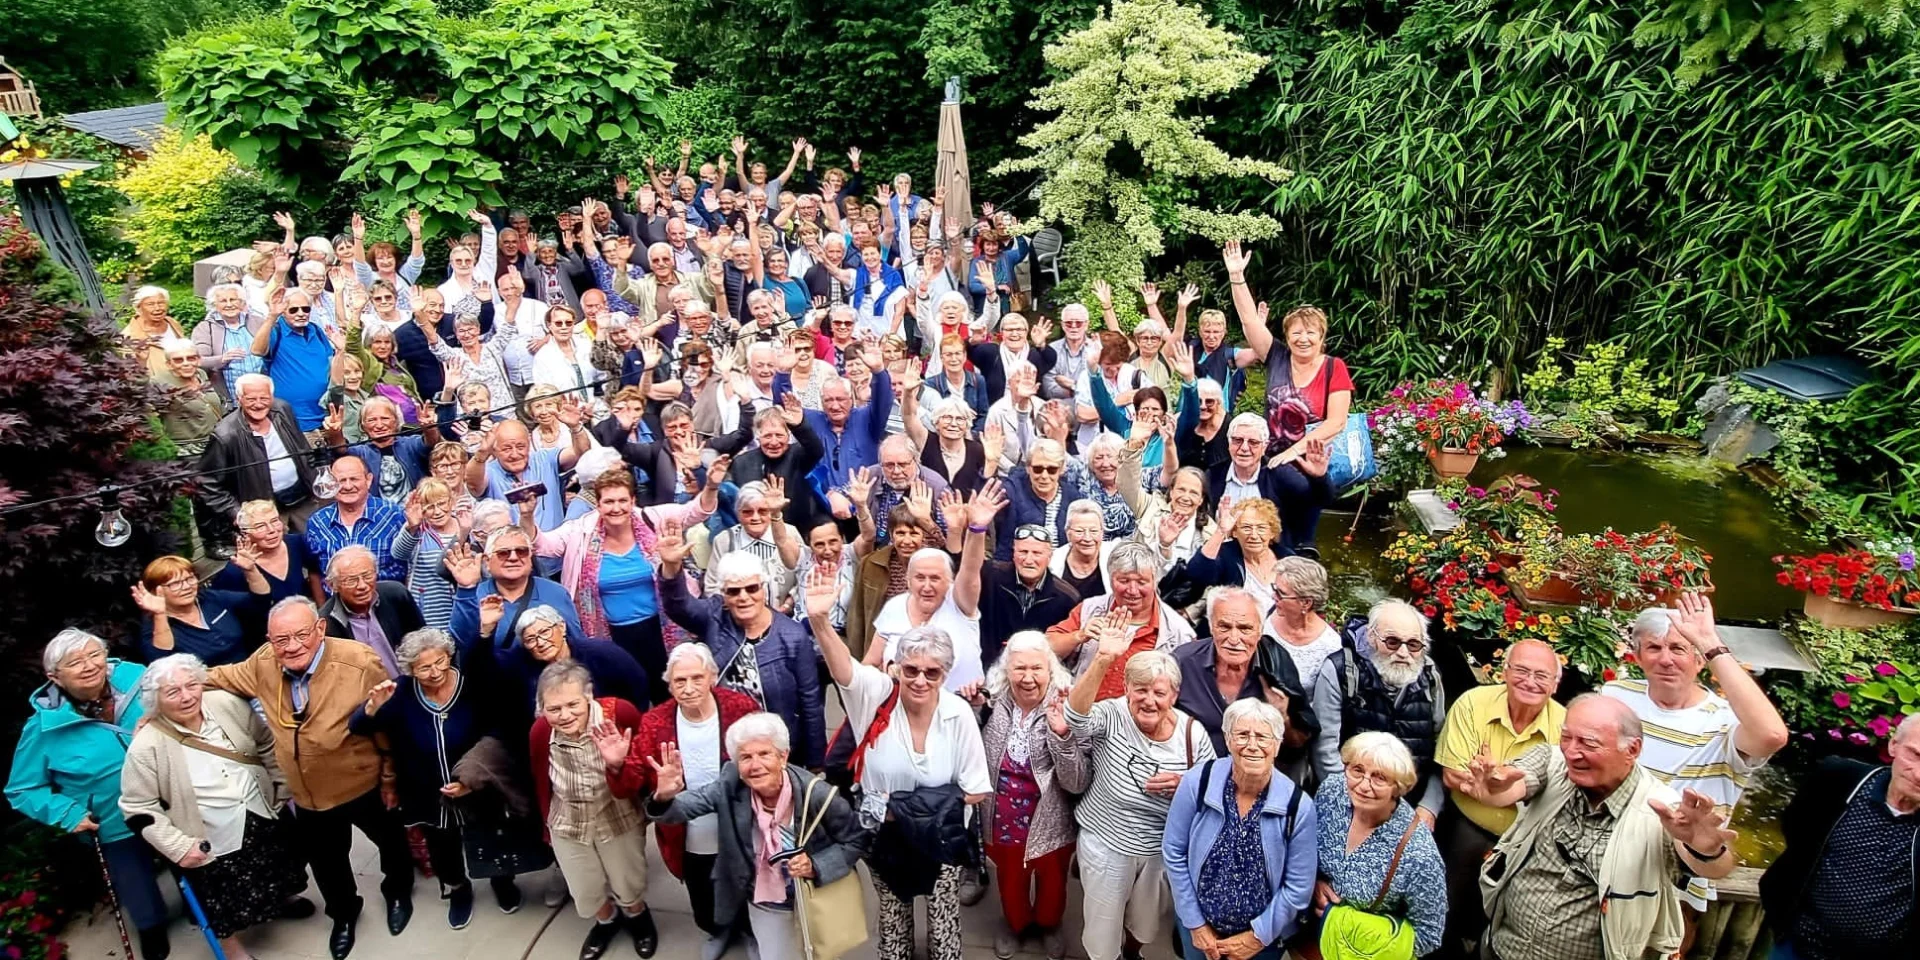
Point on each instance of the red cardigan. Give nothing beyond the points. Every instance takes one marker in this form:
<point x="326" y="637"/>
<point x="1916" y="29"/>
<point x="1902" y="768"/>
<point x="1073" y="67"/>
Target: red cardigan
<point x="625" y="781"/>
<point x="661" y="726"/>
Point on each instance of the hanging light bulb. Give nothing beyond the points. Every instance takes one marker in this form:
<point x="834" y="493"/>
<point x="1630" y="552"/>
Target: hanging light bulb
<point x="324" y="485"/>
<point x="114" y="529"/>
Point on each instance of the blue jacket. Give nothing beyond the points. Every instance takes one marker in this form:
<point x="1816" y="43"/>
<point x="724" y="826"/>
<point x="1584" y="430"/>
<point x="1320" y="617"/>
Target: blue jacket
<point x="858" y="445"/>
<point x="67" y="766"/>
<point x="975" y="393"/>
<point x="1293" y="861"/>
<point x="1024" y="508"/>
<point x="465" y="625"/>
<point x="789" y="674"/>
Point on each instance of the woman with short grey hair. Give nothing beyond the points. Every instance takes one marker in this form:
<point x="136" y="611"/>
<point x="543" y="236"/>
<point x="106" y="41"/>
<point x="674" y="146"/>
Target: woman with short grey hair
<point x="1299" y="599"/>
<point x="1029" y="831"/>
<point x="431" y="718"/>
<point x="763" y="534"/>
<point x="545" y="638"/>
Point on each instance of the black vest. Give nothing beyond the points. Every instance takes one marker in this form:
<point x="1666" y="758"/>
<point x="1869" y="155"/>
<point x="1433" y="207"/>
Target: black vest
<point x="1369" y="706"/>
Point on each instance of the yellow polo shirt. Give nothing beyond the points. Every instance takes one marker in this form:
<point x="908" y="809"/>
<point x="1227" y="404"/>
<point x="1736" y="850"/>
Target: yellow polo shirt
<point x="1479" y="718"/>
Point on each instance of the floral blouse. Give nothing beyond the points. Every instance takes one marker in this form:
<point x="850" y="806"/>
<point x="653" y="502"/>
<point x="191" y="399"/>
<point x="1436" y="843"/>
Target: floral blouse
<point x="1419" y="890"/>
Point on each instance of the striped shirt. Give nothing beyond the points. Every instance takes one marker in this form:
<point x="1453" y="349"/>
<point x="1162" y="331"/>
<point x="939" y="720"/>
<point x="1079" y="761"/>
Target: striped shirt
<point x="431" y="591"/>
<point x="1115" y="809"/>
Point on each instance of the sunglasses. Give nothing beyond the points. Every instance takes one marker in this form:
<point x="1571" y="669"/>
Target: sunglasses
<point x="1042" y="469"/>
<point x="513" y="553"/>
<point x="300" y="310"/>
<point x="383" y="299"/>
<point x="933" y="674"/>
<point x="1032" y="532"/>
<point x="1391" y="642"/>
<point x="746" y="591"/>
<point x="1243" y="441"/>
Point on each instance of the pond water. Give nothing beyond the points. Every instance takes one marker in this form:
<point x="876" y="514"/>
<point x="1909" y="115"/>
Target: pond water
<point x="1728" y="514"/>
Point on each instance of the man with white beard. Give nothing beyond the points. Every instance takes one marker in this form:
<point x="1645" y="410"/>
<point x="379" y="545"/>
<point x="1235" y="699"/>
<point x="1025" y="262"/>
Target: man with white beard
<point x="1384" y="681"/>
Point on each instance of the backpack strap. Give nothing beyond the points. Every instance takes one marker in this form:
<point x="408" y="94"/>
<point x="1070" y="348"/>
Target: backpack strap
<point x="1206" y="782"/>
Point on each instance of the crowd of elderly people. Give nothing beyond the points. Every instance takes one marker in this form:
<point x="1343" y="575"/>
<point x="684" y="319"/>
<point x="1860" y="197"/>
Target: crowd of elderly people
<point x="500" y="570"/>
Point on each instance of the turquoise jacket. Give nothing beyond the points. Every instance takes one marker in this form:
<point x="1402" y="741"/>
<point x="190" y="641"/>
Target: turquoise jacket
<point x="67" y="766"/>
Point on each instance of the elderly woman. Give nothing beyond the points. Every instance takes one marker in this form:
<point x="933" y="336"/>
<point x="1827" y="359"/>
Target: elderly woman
<point x="1250" y="561"/>
<point x="1103" y="488"/>
<point x="202" y="787"/>
<point x="564" y="355"/>
<point x="545" y="429"/>
<point x="1029" y="830"/>
<point x="955" y="379"/>
<point x="284" y="562"/>
<point x="384" y="310"/>
<point x="1169" y="522"/>
<point x="918" y="762"/>
<point x="693" y="724"/>
<point x="448" y="464"/>
<point x="1125" y="759"/>
<point x="587" y="769"/>
<point x="955" y="454"/>
<point x="67" y="763"/>
<point x="224" y="338"/>
<point x="469" y="270"/>
<point x="1374" y="855"/>
<point x="471" y="359"/>
<point x="213" y="625"/>
<point x="431" y="527"/>
<point x="400" y="274"/>
<point x="1200" y="434"/>
<point x="1132" y="599"/>
<point x="382" y="372"/>
<point x="1302" y="633"/>
<point x="189" y="408"/>
<point x="762" y="533"/>
<point x="149" y="327"/>
<point x="1037" y="494"/>
<point x="607" y="561"/>
<point x="767" y="805"/>
<point x="1082" y="560"/>
<point x="543" y="642"/>
<point x="1309" y="395"/>
<point x="430" y="719"/>
<point x="1240" y="845"/>
<point x="804" y="372"/>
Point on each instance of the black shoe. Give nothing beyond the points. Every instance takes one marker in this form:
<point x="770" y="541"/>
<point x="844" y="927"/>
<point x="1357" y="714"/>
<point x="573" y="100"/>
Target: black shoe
<point x="646" y="939"/>
<point x="340" y="942"/>
<point x="399" y="911"/>
<point x="599" y="938"/>
<point x="154" y="944"/>
<point x="506" y="893"/>
<point x="296" y="908"/>
<point x="460" y="907"/>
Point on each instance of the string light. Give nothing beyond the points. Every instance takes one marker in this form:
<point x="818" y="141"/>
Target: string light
<point x="114" y="529"/>
<point x="324" y="486"/>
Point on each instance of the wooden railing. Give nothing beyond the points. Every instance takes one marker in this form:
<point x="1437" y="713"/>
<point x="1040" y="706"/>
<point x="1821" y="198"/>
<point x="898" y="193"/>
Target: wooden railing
<point x="20" y="103"/>
<point x="1734" y="927"/>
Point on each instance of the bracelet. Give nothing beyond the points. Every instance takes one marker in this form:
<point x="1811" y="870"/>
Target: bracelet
<point x="1703" y="858"/>
<point x="1715" y="652"/>
<point x="973" y="528"/>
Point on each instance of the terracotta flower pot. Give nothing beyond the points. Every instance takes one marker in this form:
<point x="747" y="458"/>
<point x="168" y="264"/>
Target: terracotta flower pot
<point x="1850" y="615"/>
<point x="1452" y="464"/>
<point x="1670" y="596"/>
<point x="1556" y="590"/>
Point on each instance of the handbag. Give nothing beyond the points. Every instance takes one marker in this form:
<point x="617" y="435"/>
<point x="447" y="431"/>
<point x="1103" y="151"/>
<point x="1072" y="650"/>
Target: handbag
<point x="1350" y="454"/>
<point x="1363" y="933"/>
<point x="832" y="916"/>
<point x="504" y="848"/>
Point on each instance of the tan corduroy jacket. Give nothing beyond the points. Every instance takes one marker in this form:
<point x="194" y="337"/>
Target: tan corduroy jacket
<point x="156" y="787"/>
<point x="325" y="765"/>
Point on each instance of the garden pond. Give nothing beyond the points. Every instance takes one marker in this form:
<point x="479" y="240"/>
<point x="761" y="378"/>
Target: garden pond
<point x="1728" y="514"/>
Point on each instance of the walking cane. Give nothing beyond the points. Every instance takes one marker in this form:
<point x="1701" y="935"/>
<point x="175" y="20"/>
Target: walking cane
<point x="119" y="919"/>
<point x="200" y="916"/>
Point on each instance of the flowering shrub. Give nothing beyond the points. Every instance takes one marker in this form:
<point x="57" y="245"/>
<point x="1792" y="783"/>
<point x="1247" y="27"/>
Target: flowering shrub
<point x="1881" y="575"/>
<point x="1514" y="508"/>
<point x="1424" y="417"/>
<point x="1620" y="569"/>
<point x="1894" y="687"/>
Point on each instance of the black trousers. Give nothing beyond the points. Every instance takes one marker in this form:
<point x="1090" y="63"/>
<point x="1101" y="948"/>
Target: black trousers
<point x="698" y="868"/>
<point x="644" y="641"/>
<point x="1463" y="845"/>
<point x="326" y="839"/>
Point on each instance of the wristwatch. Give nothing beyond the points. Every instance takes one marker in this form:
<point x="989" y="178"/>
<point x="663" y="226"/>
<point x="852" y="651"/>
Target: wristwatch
<point x="1715" y="652"/>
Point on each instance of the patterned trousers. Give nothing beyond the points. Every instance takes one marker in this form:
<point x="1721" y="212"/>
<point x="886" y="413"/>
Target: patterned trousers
<point x="943" y="920"/>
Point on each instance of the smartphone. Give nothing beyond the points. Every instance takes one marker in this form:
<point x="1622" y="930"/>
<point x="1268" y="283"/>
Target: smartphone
<point x="528" y="493"/>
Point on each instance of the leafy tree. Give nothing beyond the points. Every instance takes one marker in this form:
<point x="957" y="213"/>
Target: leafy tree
<point x="1120" y="150"/>
<point x="89" y="56"/>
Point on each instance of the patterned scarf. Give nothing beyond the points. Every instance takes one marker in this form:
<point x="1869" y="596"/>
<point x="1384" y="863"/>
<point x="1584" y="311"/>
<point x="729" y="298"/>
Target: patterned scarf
<point x="769" y="884"/>
<point x="586" y="596"/>
<point x="896" y="574"/>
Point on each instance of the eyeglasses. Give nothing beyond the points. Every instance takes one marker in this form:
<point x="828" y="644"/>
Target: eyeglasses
<point x="1357" y="776"/>
<point x="353" y="579"/>
<point x="1243" y="441"/>
<point x="383" y="299"/>
<point x="910" y="672"/>
<point x="1043" y="469"/>
<point x="742" y="591"/>
<point x="513" y="553"/>
<point x="290" y="639"/>
<point x="1525" y="675"/>
<point x="1032" y="531"/>
<point x="843" y="323"/>
<point x="1391" y="642"/>
<point x="263" y="526"/>
<point x="181" y="583"/>
<point x="1245" y="737"/>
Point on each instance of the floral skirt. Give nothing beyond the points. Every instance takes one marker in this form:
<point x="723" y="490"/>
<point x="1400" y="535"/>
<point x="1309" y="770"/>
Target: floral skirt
<point x="252" y="884"/>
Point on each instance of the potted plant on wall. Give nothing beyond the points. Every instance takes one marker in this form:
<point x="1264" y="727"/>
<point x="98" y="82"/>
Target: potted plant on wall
<point x="1857" y="588"/>
<point x="1443" y="422"/>
<point x="1512" y="511"/>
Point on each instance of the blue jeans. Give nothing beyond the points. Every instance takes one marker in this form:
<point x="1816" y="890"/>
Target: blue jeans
<point x="130" y="865"/>
<point x="1272" y="951"/>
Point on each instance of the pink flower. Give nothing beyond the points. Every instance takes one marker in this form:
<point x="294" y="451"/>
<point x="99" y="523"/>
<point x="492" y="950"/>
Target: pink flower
<point x="1885" y="669"/>
<point x="1842" y="700"/>
<point x="1858" y="738"/>
<point x="1852" y="678"/>
<point x="1881" y="726"/>
<point x="1833" y="733"/>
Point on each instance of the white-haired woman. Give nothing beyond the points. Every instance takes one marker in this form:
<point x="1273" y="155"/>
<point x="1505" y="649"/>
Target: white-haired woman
<point x="913" y="737"/>
<point x="694" y="724"/>
<point x="586" y="772"/>
<point x="1240" y="845"/>
<point x="1103" y="487"/>
<point x="66" y="767"/>
<point x="430" y="718"/>
<point x="1029" y="830"/>
<point x="150" y="327"/>
<point x="471" y="358"/>
<point x="762" y="533"/>
<point x="960" y="459"/>
<point x="1170" y="522"/>
<point x="1363" y="820"/>
<point x="1082" y="560"/>
<point x="201" y="786"/>
<point x="761" y="798"/>
<point x="1127" y="759"/>
<point x="290" y="571"/>
<point x="189" y="407"/>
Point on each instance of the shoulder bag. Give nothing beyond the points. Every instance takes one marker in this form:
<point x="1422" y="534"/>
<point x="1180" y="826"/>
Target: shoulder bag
<point x="1364" y="933"/>
<point x="832" y="916"/>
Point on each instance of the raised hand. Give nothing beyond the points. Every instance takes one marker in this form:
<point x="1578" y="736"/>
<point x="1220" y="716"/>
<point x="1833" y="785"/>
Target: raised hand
<point x="724" y="360"/>
<point x="1694" y="822"/>
<point x="884" y="194"/>
<point x="906" y="378"/>
<point x="853" y="157"/>
<point x="415" y="512"/>
<point x="620" y="184"/>
<point x="148" y="601"/>
<point x="920" y="500"/>
<point x="1149" y="291"/>
<point x="378" y="696"/>
<point x="1313" y="458"/>
<point x="464" y="565"/>
<point x="717" y="471"/>
<point x="1103" y="292"/>
<point x="572" y="411"/>
<point x="672" y="546"/>
<point x="1113" y="636"/>
<point x="686" y="148"/>
<point x="953" y="507"/>
<point x="989" y="500"/>
<point x="993" y="442"/>
<point x="477" y="217"/>
<point x="612" y="742"/>
<point x="1171" y="526"/>
<point x="823" y="591"/>
<point x="860" y="484"/>
<point x="1695" y="621"/>
<point x="1182" y="358"/>
<point x="791" y="411"/>
<point x="1187" y="295"/>
<point x="739" y="144"/>
<point x="492" y="608"/>
<point x="284" y="220"/>
<point x="1057" y="714"/>
<point x="1236" y="260"/>
<point x="1226" y="514"/>
<point x="1038" y="333"/>
<point x="413" y="223"/>
<point x="246" y="556"/>
<point x="776" y="498"/>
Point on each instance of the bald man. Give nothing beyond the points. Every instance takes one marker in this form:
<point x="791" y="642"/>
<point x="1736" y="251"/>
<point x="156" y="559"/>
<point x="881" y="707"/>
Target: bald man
<point x="1497" y="723"/>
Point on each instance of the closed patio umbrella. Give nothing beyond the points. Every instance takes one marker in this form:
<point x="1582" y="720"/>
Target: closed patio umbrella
<point x="951" y="171"/>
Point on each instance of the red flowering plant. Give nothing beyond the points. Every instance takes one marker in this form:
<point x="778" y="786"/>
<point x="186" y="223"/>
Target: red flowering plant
<point x="1880" y="575"/>
<point x="1870" y="706"/>
<point x="34" y="901"/>
<point x="1620" y="569"/>
<point x="1424" y="416"/>
<point x="1512" y="509"/>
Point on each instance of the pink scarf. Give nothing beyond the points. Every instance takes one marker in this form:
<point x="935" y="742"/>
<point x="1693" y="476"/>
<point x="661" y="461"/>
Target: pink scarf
<point x="586" y="594"/>
<point x="769" y="884"/>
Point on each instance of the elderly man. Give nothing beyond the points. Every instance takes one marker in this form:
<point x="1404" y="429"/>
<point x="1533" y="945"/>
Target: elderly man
<point x="1133" y="599"/>
<point x="1697" y="739"/>
<point x="508" y="568"/>
<point x="1495" y="724"/>
<point x="1217" y="671"/>
<point x="1023" y="593"/>
<point x="785" y="452"/>
<point x="308" y="688"/>
<point x="1245" y="476"/>
<point x="1844" y="888"/>
<point x="363" y="607"/>
<point x="396" y="463"/>
<point x="939" y="597"/>
<point x="297" y="354"/>
<point x="1040" y="494"/>
<point x="852" y="437"/>
<point x="356" y="518"/>
<point x="258" y="452"/>
<point x="555" y="279"/>
<point x="1384" y="682"/>
<point x="900" y="468"/>
<point x="1074" y="353"/>
<point x="1590" y="868"/>
<point x="413" y="345"/>
<point x="508" y="468"/>
<point x="762" y="653"/>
